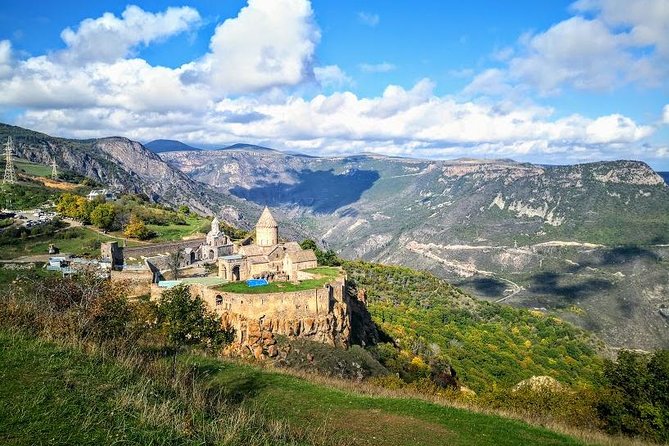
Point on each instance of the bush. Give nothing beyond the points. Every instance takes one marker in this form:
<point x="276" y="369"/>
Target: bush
<point x="185" y="320"/>
<point x="103" y="215"/>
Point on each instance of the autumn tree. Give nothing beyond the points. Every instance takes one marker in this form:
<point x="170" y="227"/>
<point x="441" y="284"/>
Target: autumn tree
<point x="103" y="215"/>
<point x="136" y="228"/>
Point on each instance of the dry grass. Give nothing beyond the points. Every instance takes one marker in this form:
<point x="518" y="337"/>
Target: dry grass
<point x="54" y="184"/>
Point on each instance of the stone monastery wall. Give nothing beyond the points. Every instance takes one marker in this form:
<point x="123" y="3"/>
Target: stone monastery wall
<point x="162" y="248"/>
<point x="320" y="314"/>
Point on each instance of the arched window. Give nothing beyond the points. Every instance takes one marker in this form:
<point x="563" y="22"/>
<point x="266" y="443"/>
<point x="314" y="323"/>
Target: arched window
<point x="219" y="299"/>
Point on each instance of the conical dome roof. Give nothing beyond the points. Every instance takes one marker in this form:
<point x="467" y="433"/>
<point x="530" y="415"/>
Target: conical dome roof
<point x="266" y="220"/>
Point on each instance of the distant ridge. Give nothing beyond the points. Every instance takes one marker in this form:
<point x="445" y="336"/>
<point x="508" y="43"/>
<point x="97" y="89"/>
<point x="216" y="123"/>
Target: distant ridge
<point x="665" y="176"/>
<point x="248" y="147"/>
<point x="168" y="145"/>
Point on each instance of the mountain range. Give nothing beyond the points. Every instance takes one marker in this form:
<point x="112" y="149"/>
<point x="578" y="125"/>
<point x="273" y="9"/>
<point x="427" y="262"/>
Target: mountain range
<point x="586" y="242"/>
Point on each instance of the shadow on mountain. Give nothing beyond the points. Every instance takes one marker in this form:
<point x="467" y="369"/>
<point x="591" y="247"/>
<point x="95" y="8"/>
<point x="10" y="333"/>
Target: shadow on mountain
<point x="554" y="284"/>
<point x="619" y="255"/>
<point x="322" y="191"/>
<point x="485" y="286"/>
<point x="623" y="254"/>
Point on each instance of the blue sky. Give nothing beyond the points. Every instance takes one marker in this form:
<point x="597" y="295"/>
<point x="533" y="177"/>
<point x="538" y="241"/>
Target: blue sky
<point x="550" y="82"/>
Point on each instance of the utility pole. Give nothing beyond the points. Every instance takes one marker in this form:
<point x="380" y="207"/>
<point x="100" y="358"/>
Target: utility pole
<point x="54" y="170"/>
<point x="10" y="174"/>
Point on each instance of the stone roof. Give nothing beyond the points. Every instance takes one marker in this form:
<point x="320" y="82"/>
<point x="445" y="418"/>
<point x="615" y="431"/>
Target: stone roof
<point x="266" y="220"/>
<point x="292" y="246"/>
<point x="253" y="250"/>
<point x="301" y="256"/>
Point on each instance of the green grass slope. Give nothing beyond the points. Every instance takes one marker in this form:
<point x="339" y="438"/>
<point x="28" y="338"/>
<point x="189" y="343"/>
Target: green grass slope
<point x="57" y="395"/>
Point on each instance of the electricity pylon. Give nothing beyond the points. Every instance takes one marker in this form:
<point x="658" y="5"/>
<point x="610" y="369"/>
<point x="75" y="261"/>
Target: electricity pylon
<point x="10" y="174"/>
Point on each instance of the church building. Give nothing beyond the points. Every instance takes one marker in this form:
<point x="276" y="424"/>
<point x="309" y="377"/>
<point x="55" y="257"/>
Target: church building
<point x="266" y="257"/>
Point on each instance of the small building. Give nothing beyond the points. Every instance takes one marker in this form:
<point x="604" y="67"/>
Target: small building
<point x="103" y="194"/>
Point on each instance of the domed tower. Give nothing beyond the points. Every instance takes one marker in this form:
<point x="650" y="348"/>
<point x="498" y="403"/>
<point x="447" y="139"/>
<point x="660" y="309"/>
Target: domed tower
<point x="267" y="231"/>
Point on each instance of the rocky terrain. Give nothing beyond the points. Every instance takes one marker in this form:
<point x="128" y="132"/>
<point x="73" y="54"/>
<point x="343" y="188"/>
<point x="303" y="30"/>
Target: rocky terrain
<point x="556" y="238"/>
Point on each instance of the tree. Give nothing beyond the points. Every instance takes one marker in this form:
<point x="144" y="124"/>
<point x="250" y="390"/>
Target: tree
<point x="103" y="215"/>
<point x="174" y="261"/>
<point x="183" y="209"/>
<point x="324" y="258"/>
<point x="75" y="206"/>
<point x="185" y="319"/>
<point x="137" y="229"/>
<point x="635" y="400"/>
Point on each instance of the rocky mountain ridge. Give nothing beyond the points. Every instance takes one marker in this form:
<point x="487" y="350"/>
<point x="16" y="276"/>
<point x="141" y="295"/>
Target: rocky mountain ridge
<point x="126" y="165"/>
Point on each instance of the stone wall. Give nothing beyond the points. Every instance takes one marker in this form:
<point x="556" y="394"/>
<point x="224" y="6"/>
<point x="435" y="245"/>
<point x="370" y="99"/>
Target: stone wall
<point x="138" y="281"/>
<point x="320" y="314"/>
<point x="161" y="248"/>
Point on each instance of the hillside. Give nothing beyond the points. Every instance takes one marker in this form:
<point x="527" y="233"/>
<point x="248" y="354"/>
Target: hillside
<point x="125" y="165"/>
<point x="67" y="394"/>
<point x="547" y="237"/>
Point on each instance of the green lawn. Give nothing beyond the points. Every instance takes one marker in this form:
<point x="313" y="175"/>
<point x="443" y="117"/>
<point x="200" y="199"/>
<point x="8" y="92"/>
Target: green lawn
<point x="327" y="271"/>
<point x="174" y="232"/>
<point x="30" y="168"/>
<point x="80" y="241"/>
<point x="56" y="395"/>
<point x="327" y="274"/>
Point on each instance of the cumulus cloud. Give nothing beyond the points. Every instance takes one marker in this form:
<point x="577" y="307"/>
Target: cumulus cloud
<point x="332" y="76"/>
<point x="665" y="114"/>
<point x="368" y="18"/>
<point x="401" y="121"/>
<point x="382" y="67"/>
<point x="608" y="44"/>
<point x="109" y="38"/>
<point x="269" y="44"/>
<point x="206" y="100"/>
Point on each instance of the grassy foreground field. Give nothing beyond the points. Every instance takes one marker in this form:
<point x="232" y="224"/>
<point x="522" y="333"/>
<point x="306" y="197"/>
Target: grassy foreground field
<point x="60" y="395"/>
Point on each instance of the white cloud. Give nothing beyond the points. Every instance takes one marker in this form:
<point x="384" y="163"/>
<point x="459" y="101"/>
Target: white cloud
<point x="615" y="129"/>
<point x="5" y="58"/>
<point x="401" y="121"/>
<point x="382" y="67"/>
<point x="368" y="18"/>
<point x="665" y="114"/>
<point x="109" y="38"/>
<point x="205" y="101"/>
<point x="648" y="20"/>
<point x="608" y="44"/>
<point x="270" y="43"/>
<point x="331" y="76"/>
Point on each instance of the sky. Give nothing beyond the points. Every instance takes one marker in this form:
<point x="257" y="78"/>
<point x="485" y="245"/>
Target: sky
<point x="553" y="82"/>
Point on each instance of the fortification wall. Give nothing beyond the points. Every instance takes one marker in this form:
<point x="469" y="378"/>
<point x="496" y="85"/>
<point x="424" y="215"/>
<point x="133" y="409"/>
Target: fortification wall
<point x="138" y="281"/>
<point x="161" y="248"/>
<point x="320" y="314"/>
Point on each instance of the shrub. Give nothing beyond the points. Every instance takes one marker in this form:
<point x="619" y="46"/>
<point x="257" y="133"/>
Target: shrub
<point x="185" y="319"/>
<point x="103" y="215"/>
